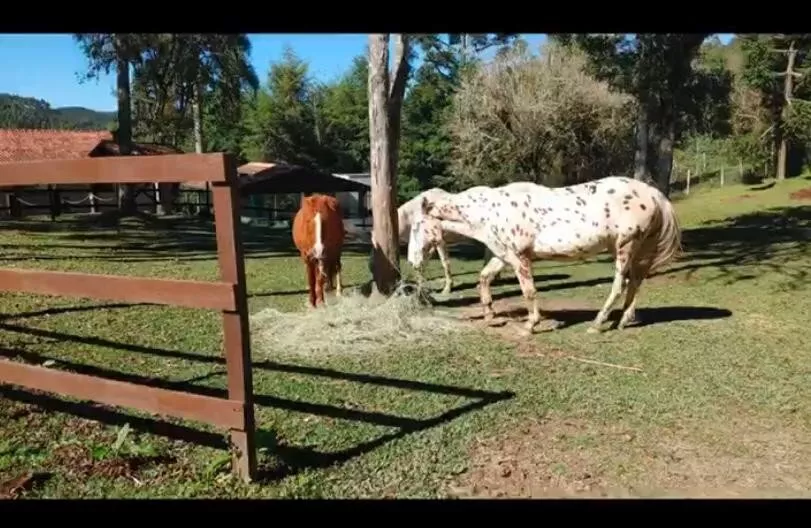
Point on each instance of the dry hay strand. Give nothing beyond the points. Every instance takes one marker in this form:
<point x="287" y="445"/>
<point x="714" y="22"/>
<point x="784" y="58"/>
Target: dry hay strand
<point x="353" y="324"/>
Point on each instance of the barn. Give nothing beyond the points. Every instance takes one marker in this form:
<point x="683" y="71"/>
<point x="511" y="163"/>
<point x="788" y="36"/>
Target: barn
<point x="19" y="145"/>
<point x="271" y="192"/>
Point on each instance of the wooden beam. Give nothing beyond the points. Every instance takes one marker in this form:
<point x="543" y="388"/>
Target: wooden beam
<point x="219" y="412"/>
<point x="187" y="293"/>
<point x="117" y="169"/>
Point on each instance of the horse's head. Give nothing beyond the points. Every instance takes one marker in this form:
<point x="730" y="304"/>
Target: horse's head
<point x="425" y="233"/>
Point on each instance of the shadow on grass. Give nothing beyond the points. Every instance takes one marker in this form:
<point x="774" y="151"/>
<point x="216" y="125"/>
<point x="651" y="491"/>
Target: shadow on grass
<point x="746" y="246"/>
<point x="137" y="240"/>
<point x="764" y="187"/>
<point x="292" y="459"/>
<point x="644" y="316"/>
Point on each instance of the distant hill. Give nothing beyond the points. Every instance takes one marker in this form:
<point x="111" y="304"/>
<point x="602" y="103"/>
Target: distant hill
<point x="27" y="112"/>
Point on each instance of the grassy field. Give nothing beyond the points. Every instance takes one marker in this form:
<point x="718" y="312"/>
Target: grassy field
<point x="709" y="395"/>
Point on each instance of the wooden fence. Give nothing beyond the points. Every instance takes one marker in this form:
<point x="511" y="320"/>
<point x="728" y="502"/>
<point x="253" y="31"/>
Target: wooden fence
<point x="228" y="295"/>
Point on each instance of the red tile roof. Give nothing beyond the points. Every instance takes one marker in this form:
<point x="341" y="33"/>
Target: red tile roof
<point x="35" y="145"/>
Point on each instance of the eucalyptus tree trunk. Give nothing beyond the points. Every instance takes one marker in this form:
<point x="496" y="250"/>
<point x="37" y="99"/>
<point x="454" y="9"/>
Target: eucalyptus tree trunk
<point x="126" y="191"/>
<point x="385" y="106"/>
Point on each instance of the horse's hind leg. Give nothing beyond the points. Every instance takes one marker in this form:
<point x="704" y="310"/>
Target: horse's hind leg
<point x="523" y="271"/>
<point x="637" y="275"/>
<point x="621" y="268"/>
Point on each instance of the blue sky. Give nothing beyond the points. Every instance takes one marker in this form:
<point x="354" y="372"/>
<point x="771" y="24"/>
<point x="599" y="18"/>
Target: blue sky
<point x="45" y="66"/>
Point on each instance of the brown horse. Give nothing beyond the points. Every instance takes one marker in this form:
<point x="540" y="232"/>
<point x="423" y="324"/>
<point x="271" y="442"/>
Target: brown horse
<point x="318" y="233"/>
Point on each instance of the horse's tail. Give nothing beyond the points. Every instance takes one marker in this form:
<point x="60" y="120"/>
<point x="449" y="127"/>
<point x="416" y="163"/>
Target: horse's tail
<point x="667" y="237"/>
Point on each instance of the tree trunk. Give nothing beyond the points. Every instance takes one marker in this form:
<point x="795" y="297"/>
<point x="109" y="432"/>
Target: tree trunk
<point x="198" y="118"/>
<point x="788" y="92"/>
<point x="126" y="191"/>
<point x="385" y="256"/>
<point x="395" y="103"/>
<point x="664" y="161"/>
<point x="782" y="151"/>
<point x="641" y="154"/>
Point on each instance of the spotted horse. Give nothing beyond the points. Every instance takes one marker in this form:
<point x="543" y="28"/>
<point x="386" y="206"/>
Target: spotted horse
<point x="631" y="219"/>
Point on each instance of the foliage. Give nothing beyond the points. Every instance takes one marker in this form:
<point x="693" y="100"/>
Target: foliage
<point x="281" y="122"/>
<point x="727" y="97"/>
<point x="176" y="67"/>
<point x="707" y="108"/>
<point x="344" y="119"/>
<point x="426" y="144"/>
<point x="27" y="112"/>
<point x="763" y="71"/>
<point x="527" y="118"/>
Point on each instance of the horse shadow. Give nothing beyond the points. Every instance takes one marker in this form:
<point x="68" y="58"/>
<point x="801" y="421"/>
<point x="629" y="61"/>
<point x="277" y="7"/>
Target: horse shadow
<point x="644" y="316"/>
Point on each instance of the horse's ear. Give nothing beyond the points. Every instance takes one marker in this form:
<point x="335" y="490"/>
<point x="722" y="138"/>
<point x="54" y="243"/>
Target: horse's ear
<point x="427" y="205"/>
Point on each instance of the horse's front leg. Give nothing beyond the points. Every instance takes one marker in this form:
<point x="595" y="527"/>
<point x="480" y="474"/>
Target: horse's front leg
<point x="418" y="270"/>
<point x="493" y="268"/>
<point x="446" y="268"/>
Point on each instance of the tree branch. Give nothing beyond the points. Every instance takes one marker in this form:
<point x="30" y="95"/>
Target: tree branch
<point x="400" y="71"/>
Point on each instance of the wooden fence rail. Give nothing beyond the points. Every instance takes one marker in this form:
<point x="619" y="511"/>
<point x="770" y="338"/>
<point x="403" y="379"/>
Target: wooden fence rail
<point x="228" y="295"/>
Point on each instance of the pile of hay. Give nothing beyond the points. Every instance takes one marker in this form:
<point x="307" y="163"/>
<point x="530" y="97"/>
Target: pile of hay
<point x="352" y="324"/>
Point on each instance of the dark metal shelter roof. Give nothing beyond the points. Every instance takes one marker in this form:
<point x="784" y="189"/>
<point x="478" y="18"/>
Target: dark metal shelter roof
<point x="277" y="178"/>
<point x="281" y="178"/>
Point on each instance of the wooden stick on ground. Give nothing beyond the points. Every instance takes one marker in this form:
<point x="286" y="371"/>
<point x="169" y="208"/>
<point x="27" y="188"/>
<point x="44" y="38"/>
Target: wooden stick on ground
<point x="593" y="362"/>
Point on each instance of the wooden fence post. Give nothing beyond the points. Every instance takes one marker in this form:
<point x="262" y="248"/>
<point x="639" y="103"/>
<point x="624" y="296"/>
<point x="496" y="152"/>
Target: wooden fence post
<point x="229" y="296"/>
<point x="237" y="339"/>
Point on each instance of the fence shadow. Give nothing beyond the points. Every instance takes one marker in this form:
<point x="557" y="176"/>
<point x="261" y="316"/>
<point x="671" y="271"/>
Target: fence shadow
<point x="175" y="238"/>
<point x="292" y="459"/>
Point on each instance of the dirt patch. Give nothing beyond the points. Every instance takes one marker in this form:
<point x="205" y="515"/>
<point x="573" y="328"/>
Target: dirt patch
<point x="558" y="457"/>
<point x="16" y="487"/>
<point x="510" y="314"/>
<point x="802" y="194"/>
<point x="78" y="460"/>
<point x="514" y="310"/>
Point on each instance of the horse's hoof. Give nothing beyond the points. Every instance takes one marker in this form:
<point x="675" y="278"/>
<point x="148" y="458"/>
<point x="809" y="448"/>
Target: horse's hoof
<point x="445" y="291"/>
<point x="594" y="330"/>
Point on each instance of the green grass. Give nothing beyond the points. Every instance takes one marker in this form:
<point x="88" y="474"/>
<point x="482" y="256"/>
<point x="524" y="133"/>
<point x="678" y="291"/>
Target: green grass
<point x="725" y="345"/>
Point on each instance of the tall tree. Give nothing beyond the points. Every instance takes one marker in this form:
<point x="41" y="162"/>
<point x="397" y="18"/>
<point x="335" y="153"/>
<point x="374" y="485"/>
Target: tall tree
<point x="105" y="51"/>
<point x="344" y="114"/>
<point x="425" y="152"/>
<point x="386" y="94"/>
<point x="539" y="119"/>
<point x="425" y="149"/>
<point x="281" y="124"/>
<point x="655" y="69"/>
<point x="776" y="66"/>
